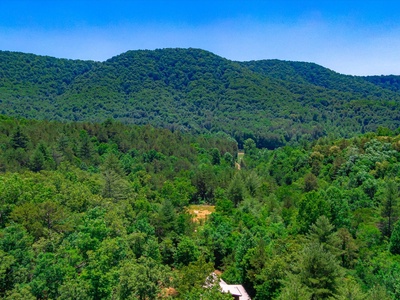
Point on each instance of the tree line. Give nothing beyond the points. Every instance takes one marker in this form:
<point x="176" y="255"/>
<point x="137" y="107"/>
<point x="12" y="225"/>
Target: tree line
<point x="273" y="102"/>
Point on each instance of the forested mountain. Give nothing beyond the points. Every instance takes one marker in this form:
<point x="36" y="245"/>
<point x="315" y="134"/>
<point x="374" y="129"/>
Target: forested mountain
<point x="390" y="82"/>
<point x="190" y="90"/>
<point x="101" y="211"/>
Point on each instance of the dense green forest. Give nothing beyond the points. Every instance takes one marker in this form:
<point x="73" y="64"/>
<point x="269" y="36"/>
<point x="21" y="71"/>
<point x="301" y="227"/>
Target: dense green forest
<point x="101" y="164"/>
<point x="273" y="102"/>
<point x="100" y="211"/>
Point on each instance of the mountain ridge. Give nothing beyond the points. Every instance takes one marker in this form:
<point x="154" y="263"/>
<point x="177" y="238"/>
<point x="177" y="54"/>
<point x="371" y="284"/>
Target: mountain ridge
<point x="272" y="101"/>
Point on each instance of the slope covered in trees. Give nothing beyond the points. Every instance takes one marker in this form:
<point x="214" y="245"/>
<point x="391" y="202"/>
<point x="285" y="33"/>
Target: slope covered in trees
<point x="391" y="82"/>
<point x="190" y="90"/>
<point x="100" y="211"/>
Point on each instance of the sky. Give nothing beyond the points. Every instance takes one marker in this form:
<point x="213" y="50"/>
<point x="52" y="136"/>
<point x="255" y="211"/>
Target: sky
<point x="356" y="37"/>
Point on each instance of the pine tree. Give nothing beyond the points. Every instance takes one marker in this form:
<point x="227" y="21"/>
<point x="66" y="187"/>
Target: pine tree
<point x="37" y="161"/>
<point x="319" y="271"/>
<point x="19" y="139"/>
<point x="394" y="246"/>
<point x="215" y="156"/>
<point x="390" y="208"/>
<point x="322" y="232"/>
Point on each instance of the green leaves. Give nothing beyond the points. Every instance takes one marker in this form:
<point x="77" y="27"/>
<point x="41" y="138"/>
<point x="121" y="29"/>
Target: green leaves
<point x="390" y="209"/>
<point x="143" y="279"/>
<point x="186" y="252"/>
<point x="394" y="246"/>
<point x="302" y="222"/>
<point x="271" y="102"/>
<point x="6" y="263"/>
<point x="19" y="139"/>
<point x="311" y="207"/>
<point x="317" y="271"/>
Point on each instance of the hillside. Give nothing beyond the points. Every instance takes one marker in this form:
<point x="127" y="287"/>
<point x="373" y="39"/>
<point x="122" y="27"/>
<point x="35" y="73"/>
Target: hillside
<point x="112" y="211"/>
<point x="274" y="102"/>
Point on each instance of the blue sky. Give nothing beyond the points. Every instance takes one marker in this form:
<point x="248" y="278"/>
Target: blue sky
<point x="351" y="37"/>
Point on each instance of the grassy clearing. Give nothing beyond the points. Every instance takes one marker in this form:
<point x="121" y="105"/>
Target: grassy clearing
<point x="239" y="159"/>
<point x="240" y="156"/>
<point x="200" y="212"/>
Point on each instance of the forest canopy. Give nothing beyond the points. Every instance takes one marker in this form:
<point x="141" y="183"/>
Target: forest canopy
<point x="273" y="102"/>
<point x="102" y="211"/>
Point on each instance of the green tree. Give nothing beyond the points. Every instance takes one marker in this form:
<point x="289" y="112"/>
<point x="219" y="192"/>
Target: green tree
<point x="16" y="244"/>
<point x="293" y="288"/>
<point x="28" y="215"/>
<point x="103" y="264"/>
<point x="253" y="183"/>
<point x="85" y="147"/>
<point x="394" y="246"/>
<point x="54" y="217"/>
<point x="19" y="139"/>
<point x="266" y="267"/>
<point x="193" y="276"/>
<point x="322" y="232"/>
<point x="219" y="237"/>
<point x="48" y="275"/>
<point x="390" y="208"/>
<point x="167" y="250"/>
<point x="179" y="192"/>
<point x="347" y="247"/>
<point x="63" y="146"/>
<point x="115" y="187"/>
<point x="6" y="263"/>
<point x="351" y="290"/>
<point x="310" y="182"/>
<point x="311" y="207"/>
<point x="186" y="252"/>
<point x="212" y="293"/>
<point x="74" y="288"/>
<point x="249" y="147"/>
<point x="215" y="156"/>
<point x="152" y="250"/>
<point x="229" y="159"/>
<point x="37" y="161"/>
<point x="205" y="181"/>
<point x="368" y="236"/>
<point x="236" y="189"/>
<point x="112" y="162"/>
<point x="167" y="218"/>
<point x="142" y="280"/>
<point x="319" y="271"/>
<point x="338" y="207"/>
<point x="378" y="292"/>
<point x="20" y="292"/>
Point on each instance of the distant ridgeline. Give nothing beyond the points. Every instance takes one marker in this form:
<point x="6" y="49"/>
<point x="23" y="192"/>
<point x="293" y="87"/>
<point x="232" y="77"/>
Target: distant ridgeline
<point x="273" y="102"/>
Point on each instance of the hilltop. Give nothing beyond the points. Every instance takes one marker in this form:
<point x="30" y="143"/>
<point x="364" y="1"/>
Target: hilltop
<point x="191" y="90"/>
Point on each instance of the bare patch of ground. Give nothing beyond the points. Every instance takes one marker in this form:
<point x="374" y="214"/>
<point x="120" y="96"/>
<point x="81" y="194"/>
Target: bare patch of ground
<point x="200" y="212"/>
<point x="239" y="159"/>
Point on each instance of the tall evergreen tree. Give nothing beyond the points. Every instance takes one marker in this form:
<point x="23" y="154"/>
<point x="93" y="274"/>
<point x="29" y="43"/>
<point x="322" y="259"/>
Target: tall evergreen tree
<point x="319" y="271"/>
<point x="390" y="208"/>
<point x="37" y="161"/>
<point x="394" y="246"/>
<point x="19" y="139"/>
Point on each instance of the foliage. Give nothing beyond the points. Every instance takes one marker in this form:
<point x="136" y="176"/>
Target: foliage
<point x="102" y="212"/>
<point x="269" y="102"/>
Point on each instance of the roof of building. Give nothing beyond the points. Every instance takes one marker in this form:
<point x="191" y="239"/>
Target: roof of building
<point x="234" y="289"/>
